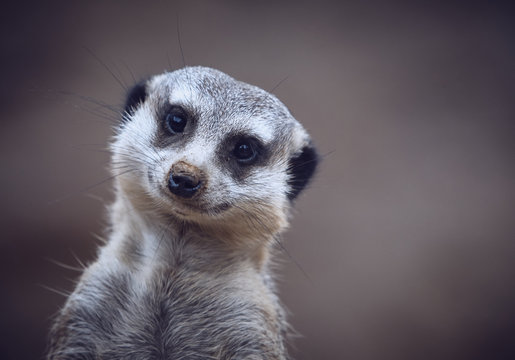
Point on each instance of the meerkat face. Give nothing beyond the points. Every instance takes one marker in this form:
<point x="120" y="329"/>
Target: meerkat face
<point x="202" y="147"/>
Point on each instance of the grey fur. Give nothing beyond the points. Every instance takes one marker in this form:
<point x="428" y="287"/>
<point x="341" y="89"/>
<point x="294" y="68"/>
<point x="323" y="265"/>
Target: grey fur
<point x="189" y="278"/>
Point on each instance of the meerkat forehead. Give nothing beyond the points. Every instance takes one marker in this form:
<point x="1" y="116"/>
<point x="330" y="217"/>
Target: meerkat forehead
<point x="223" y="103"/>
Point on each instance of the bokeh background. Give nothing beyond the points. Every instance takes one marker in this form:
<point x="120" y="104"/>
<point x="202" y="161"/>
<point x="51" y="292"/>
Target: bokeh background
<point x="403" y="247"/>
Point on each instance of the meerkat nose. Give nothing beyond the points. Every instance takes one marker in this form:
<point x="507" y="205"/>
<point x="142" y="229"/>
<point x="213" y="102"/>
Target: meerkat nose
<point x="183" y="185"/>
<point x="184" y="180"/>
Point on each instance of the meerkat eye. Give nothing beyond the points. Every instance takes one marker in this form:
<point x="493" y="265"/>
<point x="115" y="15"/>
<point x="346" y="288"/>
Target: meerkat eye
<point x="244" y="151"/>
<point x="175" y="120"/>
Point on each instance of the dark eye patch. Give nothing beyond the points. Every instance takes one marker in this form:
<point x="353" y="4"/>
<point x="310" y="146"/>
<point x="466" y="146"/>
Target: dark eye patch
<point x="176" y="125"/>
<point x="246" y="151"/>
<point x="239" y="153"/>
<point x="175" y="120"/>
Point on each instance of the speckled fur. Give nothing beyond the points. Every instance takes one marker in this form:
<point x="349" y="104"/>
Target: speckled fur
<point x="189" y="278"/>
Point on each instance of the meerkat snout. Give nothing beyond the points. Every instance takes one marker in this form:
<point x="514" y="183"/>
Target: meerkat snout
<point x="185" y="180"/>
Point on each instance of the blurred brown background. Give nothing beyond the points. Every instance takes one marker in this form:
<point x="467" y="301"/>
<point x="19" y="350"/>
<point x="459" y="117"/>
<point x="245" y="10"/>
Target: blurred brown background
<point x="407" y="236"/>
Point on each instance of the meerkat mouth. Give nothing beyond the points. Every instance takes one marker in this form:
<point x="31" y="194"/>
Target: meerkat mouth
<point x="190" y="208"/>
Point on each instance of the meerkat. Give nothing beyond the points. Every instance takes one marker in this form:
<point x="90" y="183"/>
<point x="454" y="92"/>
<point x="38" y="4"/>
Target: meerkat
<point x="207" y="168"/>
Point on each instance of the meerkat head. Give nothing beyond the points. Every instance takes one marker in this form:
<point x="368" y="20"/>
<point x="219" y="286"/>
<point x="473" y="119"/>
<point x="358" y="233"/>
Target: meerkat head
<point x="200" y="147"/>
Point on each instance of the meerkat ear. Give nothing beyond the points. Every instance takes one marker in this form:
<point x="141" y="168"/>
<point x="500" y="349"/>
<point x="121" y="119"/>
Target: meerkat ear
<point x="136" y="96"/>
<point x="301" y="168"/>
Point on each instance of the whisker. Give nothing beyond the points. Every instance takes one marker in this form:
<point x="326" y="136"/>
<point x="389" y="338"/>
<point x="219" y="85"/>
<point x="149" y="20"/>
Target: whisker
<point x="104" y="65"/>
<point x="87" y="188"/>
<point x="102" y="111"/>
<point x="279" y="83"/>
<point x="180" y="42"/>
<point x="63" y="265"/>
<point x="130" y="71"/>
<point x="55" y="291"/>
<point x="91" y="99"/>
<point x="79" y="261"/>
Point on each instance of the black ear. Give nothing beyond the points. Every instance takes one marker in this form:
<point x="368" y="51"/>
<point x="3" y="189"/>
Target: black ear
<point x="136" y="96"/>
<point x="301" y="168"/>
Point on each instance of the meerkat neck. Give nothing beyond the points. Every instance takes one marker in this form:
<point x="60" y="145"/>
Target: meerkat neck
<point x="145" y="239"/>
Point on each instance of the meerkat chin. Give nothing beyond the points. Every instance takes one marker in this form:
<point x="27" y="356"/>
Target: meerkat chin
<point x="206" y="171"/>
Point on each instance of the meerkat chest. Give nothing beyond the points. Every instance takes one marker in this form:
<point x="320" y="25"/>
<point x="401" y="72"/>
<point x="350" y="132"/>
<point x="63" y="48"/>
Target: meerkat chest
<point x="177" y="314"/>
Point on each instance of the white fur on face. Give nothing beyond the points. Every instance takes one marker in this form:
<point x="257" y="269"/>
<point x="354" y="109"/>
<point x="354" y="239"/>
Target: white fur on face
<point x="230" y="111"/>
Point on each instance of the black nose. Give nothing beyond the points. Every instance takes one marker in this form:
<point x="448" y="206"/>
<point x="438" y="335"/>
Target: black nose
<point x="183" y="185"/>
